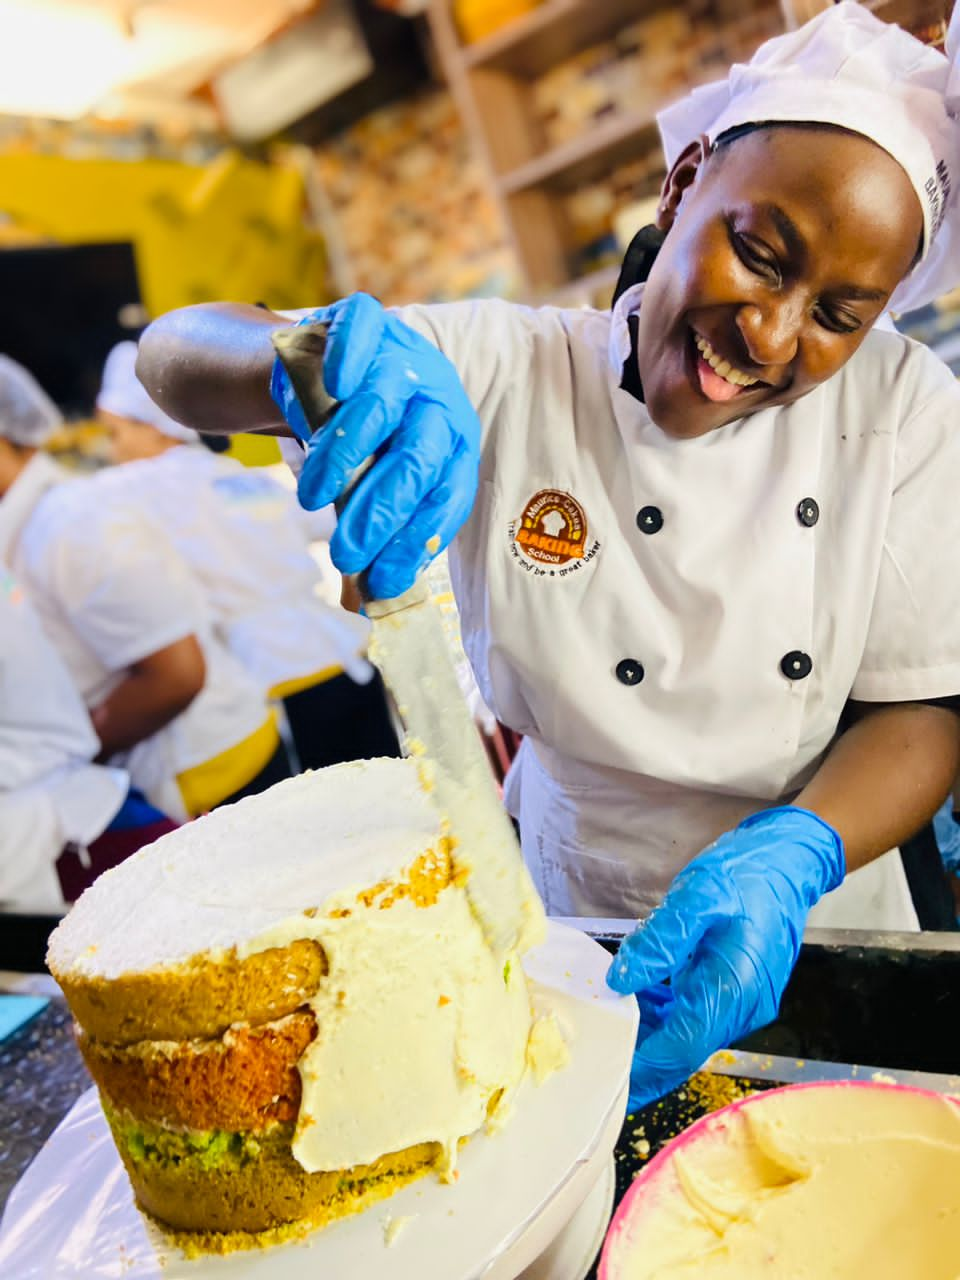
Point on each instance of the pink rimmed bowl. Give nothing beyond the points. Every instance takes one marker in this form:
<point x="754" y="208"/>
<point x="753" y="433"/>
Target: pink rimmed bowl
<point x="641" y="1214"/>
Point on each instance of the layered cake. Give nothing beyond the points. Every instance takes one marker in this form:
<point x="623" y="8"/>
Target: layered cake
<point x="288" y="1007"/>
<point x="852" y="1181"/>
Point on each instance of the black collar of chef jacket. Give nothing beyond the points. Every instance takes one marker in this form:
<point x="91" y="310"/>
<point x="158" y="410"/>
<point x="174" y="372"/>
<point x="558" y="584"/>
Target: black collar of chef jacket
<point x="630" y="378"/>
<point x="637" y="261"/>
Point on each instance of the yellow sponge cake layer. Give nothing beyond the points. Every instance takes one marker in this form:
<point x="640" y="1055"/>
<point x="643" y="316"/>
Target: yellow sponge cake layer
<point x="198" y="998"/>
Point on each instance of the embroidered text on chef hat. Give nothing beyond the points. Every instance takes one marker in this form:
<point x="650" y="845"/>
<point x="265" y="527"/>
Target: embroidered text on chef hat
<point x="850" y="69"/>
<point x="122" y="393"/>
<point x="27" y="414"/>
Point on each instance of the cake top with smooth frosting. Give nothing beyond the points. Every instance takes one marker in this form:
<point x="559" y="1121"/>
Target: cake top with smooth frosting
<point x="238" y="872"/>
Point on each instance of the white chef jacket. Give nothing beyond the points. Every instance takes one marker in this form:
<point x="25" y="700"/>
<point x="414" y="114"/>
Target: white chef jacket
<point x="51" y="793"/>
<point x="246" y="541"/>
<point x="110" y="590"/>
<point x="676" y="625"/>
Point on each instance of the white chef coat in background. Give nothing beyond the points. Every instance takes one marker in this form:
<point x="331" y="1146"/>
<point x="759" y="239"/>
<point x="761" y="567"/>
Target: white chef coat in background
<point x="733" y="592"/>
<point x="51" y="793"/>
<point x="246" y="541"/>
<point x="110" y="590"/>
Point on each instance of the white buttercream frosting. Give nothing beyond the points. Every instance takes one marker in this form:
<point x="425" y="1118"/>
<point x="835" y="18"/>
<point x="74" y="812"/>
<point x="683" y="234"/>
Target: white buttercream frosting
<point x="813" y="1183"/>
<point x="422" y="1030"/>
<point x="419" y="1028"/>
<point x="224" y="879"/>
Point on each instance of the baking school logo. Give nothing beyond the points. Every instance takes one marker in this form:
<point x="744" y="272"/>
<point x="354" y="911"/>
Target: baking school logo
<point x="551" y="537"/>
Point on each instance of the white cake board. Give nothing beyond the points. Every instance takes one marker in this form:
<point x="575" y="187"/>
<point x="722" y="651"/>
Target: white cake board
<point x="72" y="1213"/>
<point x="572" y="1253"/>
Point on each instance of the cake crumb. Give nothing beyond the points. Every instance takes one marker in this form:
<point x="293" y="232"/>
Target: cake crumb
<point x="442" y="1000"/>
<point x="880" y="1077"/>
<point x="426" y="771"/>
<point x="393" y="1226"/>
<point x="710" y="1092"/>
<point x="723" y="1057"/>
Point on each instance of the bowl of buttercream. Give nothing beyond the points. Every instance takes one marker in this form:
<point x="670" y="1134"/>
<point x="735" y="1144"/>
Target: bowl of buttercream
<point x="839" y="1181"/>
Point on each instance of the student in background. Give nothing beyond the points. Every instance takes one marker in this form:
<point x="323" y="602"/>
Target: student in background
<point x="168" y="702"/>
<point x="64" y="819"/>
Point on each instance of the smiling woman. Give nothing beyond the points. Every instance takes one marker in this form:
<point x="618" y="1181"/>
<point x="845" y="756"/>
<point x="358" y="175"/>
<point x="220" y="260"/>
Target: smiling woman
<point x="761" y="481"/>
<point x="786" y="244"/>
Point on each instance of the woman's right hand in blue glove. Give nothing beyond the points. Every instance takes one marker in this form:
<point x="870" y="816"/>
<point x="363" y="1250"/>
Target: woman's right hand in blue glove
<point x="402" y="401"/>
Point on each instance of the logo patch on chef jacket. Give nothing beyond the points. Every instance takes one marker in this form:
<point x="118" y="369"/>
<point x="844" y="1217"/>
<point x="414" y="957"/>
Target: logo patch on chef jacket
<point x="551" y="537"/>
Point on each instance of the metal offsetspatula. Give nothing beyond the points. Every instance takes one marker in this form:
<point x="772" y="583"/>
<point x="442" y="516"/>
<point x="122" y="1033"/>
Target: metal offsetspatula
<point x="409" y="648"/>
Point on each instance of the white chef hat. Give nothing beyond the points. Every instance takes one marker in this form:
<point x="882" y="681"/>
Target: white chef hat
<point x="122" y="392"/>
<point x="27" y="414"/>
<point x="848" y="68"/>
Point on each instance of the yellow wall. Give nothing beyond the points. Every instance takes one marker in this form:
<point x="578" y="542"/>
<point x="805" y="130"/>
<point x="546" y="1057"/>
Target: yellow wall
<point x="233" y="229"/>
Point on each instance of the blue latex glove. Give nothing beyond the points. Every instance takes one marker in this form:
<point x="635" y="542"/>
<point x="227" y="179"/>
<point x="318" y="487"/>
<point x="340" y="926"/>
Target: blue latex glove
<point x="403" y="401"/>
<point x="727" y="936"/>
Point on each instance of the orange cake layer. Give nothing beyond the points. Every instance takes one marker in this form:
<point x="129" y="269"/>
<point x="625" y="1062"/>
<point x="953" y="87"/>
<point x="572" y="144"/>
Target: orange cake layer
<point x="247" y="1080"/>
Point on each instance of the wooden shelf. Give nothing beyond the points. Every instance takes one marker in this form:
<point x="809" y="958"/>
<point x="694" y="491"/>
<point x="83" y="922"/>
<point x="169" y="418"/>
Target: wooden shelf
<point x="582" y="159"/>
<point x="557" y="29"/>
<point x="493" y="82"/>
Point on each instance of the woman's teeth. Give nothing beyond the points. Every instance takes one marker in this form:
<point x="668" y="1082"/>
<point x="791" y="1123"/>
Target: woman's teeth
<point x="723" y="367"/>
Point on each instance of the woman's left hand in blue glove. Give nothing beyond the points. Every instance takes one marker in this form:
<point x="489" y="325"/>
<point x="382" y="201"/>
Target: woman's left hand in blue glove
<point x="726" y="936"/>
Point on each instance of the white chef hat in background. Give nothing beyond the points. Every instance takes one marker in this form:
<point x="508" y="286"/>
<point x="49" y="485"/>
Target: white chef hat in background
<point x="848" y="68"/>
<point x="27" y="414"/>
<point x="122" y="393"/>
